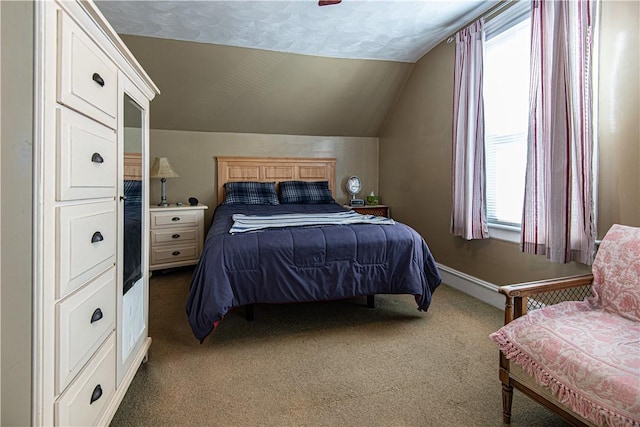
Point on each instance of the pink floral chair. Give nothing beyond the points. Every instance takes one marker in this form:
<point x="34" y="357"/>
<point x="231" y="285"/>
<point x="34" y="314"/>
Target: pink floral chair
<point x="580" y="359"/>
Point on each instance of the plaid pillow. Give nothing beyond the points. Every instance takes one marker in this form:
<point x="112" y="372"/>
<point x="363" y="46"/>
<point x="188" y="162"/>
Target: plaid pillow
<point x="250" y="193"/>
<point x="305" y="192"/>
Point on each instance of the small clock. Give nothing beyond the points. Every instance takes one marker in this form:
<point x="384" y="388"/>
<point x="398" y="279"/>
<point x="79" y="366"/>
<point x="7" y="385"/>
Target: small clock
<point x="354" y="186"/>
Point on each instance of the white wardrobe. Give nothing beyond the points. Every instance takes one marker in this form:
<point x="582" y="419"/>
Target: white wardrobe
<point x="90" y="284"/>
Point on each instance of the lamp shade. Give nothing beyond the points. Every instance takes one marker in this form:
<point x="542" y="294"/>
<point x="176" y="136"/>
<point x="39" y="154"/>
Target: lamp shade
<point x="161" y="168"/>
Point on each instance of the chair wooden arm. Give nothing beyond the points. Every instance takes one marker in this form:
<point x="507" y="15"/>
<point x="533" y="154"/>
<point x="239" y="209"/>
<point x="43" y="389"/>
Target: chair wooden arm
<point x="547" y="285"/>
<point x="517" y="294"/>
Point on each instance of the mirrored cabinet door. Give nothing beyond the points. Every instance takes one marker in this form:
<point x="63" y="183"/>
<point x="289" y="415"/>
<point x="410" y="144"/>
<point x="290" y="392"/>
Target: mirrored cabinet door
<point x="132" y="202"/>
<point x="133" y="290"/>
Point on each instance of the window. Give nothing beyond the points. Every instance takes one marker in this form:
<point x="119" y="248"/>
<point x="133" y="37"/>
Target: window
<point x="506" y="107"/>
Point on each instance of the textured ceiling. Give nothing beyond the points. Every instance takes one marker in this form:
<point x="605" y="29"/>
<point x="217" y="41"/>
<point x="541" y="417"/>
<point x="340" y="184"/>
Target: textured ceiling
<point x="282" y="67"/>
<point x="393" y="30"/>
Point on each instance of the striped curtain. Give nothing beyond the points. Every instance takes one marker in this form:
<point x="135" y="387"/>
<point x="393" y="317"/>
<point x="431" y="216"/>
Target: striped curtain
<point x="468" y="213"/>
<point x="559" y="216"/>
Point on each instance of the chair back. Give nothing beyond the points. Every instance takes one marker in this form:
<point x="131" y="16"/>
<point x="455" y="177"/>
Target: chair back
<point x="616" y="272"/>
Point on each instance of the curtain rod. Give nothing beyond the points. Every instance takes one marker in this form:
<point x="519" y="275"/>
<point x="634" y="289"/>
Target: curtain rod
<point x="487" y="15"/>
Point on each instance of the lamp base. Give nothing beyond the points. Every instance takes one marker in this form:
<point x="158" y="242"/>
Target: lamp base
<point x="163" y="197"/>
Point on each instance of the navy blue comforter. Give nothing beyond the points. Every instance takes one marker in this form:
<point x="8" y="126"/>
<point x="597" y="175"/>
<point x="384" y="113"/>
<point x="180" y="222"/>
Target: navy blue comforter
<point x="299" y="264"/>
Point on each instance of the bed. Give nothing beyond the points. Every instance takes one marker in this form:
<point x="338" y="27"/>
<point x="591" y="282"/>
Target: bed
<point x="132" y="271"/>
<point x="132" y="175"/>
<point x="299" y="263"/>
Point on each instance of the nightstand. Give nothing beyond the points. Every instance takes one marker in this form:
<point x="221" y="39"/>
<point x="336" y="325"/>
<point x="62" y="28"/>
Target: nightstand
<point x="177" y="233"/>
<point x="377" y="210"/>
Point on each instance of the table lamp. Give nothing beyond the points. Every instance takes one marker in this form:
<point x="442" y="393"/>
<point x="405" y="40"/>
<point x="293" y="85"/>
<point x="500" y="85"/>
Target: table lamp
<point x="162" y="169"/>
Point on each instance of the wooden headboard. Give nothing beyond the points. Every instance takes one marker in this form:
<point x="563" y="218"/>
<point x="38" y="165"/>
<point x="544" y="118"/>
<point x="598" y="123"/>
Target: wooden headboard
<point x="269" y="169"/>
<point x="133" y="166"/>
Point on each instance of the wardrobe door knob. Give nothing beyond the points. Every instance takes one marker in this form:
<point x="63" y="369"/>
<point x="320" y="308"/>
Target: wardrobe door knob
<point x="97" y="237"/>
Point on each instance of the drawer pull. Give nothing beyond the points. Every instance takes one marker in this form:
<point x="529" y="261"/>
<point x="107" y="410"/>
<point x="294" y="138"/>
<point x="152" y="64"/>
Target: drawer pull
<point x="97" y="158"/>
<point x="98" y="79"/>
<point x="175" y="253"/>
<point x="175" y="236"/>
<point x="175" y="218"/>
<point x="97" y="315"/>
<point x="97" y="237"/>
<point x="97" y="394"/>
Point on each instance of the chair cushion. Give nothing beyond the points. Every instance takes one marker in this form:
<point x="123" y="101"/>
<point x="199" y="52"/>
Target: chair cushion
<point x="616" y="272"/>
<point x="588" y="358"/>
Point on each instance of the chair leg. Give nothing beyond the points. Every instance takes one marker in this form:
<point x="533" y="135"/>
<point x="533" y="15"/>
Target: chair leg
<point x="507" y="399"/>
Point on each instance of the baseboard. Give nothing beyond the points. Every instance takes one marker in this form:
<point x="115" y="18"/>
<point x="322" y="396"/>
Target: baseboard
<point x="477" y="288"/>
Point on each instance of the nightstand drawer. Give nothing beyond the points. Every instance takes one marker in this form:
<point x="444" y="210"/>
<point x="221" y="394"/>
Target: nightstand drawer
<point x="87" y="157"/>
<point x="84" y="320"/>
<point x="87" y="243"/>
<point x="174" y="236"/>
<point x="85" y="400"/>
<point x="173" y="219"/>
<point x="88" y="79"/>
<point x="176" y="253"/>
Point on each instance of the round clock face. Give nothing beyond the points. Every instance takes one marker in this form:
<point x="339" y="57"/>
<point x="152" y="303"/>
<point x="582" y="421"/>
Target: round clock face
<point x="354" y="185"/>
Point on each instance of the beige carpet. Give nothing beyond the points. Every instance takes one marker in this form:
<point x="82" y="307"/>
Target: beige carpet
<point x="324" y="364"/>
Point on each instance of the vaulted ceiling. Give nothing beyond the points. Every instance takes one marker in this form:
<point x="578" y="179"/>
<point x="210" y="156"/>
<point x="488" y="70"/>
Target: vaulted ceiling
<point x="282" y="67"/>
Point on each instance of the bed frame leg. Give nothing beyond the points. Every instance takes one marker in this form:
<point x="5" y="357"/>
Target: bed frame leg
<point x="248" y="312"/>
<point x="371" y="301"/>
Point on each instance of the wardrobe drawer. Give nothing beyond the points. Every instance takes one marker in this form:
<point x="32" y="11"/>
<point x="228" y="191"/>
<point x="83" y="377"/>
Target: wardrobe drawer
<point x="86" y="239"/>
<point x="174" y="219"/>
<point x="85" y="400"/>
<point x="174" y="236"/>
<point x="174" y="254"/>
<point x="87" y="157"/>
<point x="83" y="321"/>
<point x="88" y="79"/>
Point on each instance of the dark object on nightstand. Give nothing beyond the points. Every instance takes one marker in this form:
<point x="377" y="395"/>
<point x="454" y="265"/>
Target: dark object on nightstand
<point x="193" y="201"/>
